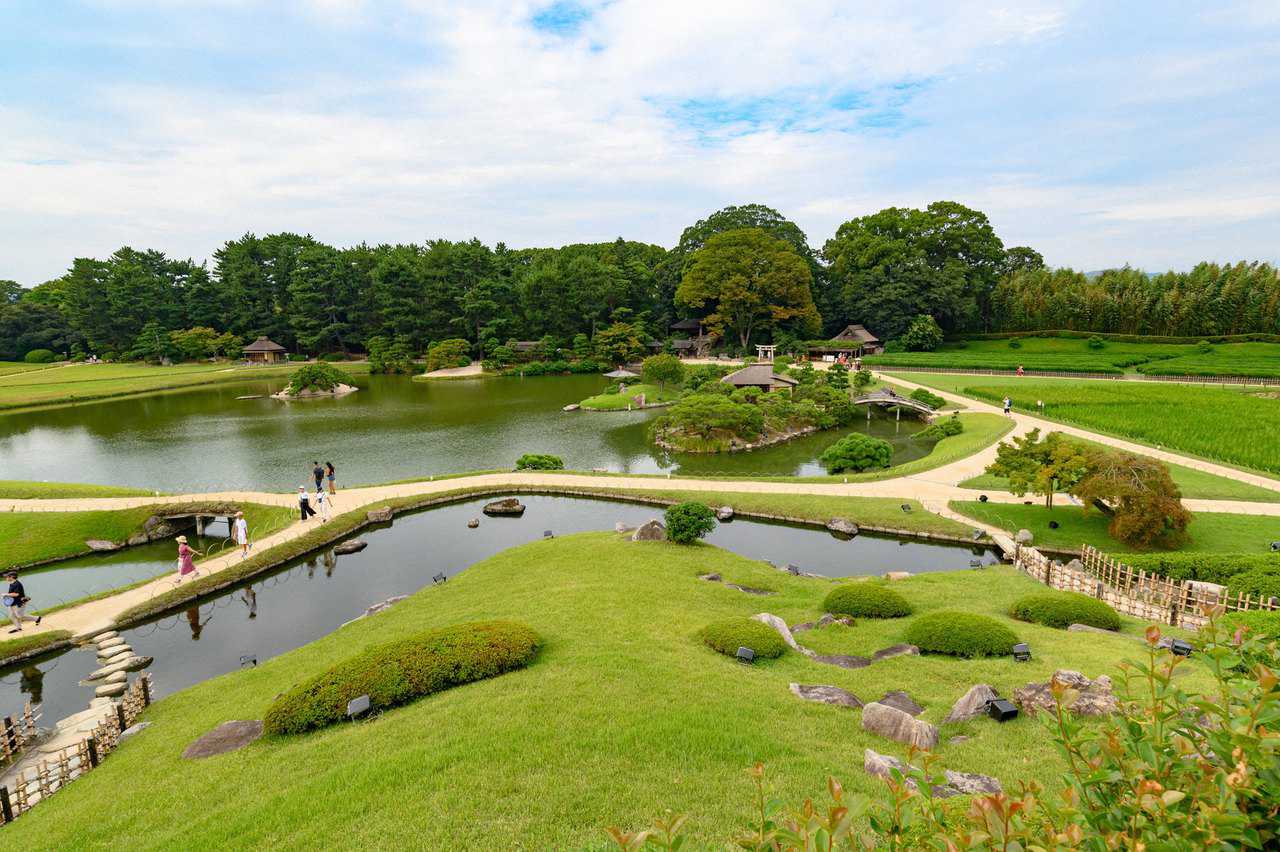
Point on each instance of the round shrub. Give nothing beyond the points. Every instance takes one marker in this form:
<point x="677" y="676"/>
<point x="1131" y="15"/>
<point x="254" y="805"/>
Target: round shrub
<point x="730" y="634"/>
<point x="399" y="672"/>
<point x="1260" y="582"/>
<point x="688" y="522"/>
<point x="539" y="461"/>
<point x="334" y="356"/>
<point x="928" y="397"/>
<point x="319" y="376"/>
<point x="39" y="356"/>
<point x="856" y="452"/>
<point x="1062" y="609"/>
<point x="866" y="600"/>
<point x="1096" y="342"/>
<point x="1015" y="343"/>
<point x="961" y="634"/>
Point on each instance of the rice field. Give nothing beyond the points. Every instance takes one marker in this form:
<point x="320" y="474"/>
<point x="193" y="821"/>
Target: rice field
<point x="1061" y="354"/>
<point x="1230" y="425"/>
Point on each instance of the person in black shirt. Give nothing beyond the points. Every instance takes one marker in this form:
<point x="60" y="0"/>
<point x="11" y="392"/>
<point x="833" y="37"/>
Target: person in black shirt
<point x="15" y="600"/>
<point x="318" y="473"/>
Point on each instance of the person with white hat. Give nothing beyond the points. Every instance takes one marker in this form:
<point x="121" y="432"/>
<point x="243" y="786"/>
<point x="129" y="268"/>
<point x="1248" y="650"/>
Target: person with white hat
<point x="240" y="534"/>
<point x="186" y="558"/>
<point x="304" y="503"/>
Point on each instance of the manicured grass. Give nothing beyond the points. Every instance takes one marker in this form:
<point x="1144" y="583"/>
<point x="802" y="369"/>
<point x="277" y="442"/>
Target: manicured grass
<point x="26" y="644"/>
<point x="8" y="368"/>
<point x="90" y="382"/>
<point x="980" y="432"/>
<point x="17" y="489"/>
<point x="1210" y="532"/>
<point x="619" y="401"/>
<point x="1229" y="425"/>
<point x="623" y="688"/>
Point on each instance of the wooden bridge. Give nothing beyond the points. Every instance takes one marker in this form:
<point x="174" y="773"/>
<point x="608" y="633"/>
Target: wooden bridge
<point x="887" y="397"/>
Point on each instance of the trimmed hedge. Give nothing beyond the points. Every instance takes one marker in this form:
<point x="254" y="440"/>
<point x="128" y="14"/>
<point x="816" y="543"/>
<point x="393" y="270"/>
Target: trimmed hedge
<point x="398" y="672"/>
<point x="961" y="634"/>
<point x="866" y="600"/>
<point x="729" y="634"/>
<point x="1262" y="583"/>
<point x="1206" y="567"/>
<point x="1062" y="609"/>
<point x="539" y="461"/>
<point x="1258" y="622"/>
<point x="39" y="356"/>
<point x="928" y="397"/>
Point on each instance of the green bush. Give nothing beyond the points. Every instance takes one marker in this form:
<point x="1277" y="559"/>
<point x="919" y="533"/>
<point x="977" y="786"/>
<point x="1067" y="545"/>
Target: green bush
<point x="1096" y="342"/>
<point x="1206" y="567"/>
<point x="334" y="356"/>
<point x="730" y="634"/>
<point x="960" y="634"/>
<point x="297" y="357"/>
<point x="1015" y="343"/>
<point x="1204" y="347"/>
<point x="539" y="461"/>
<point x="318" y="377"/>
<point x="940" y="429"/>
<point x="688" y="522"/>
<point x="928" y="397"/>
<point x="454" y="352"/>
<point x="1261" y="583"/>
<point x="856" y="452"/>
<point x="1062" y="609"/>
<point x="866" y="600"/>
<point x="398" y="672"/>
<point x="1259" y="622"/>
<point x="39" y="356"/>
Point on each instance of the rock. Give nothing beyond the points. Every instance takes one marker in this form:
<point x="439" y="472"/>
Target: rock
<point x="620" y="528"/>
<point x="251" y="396"/>
<point x="896" y="725"/>
<point x="650" y="531"/>
<point x="106" y="634"/>
<point x="900" y="700"/>
<point x="110" y="690"/>
<point x="124" y="664"/>
<point x="840" y="526"/>
<point x="229" y="736"/>
<point x="573" y="406"/>
<point x="506" y="506"/>
<point x="116" y="677"/>
<point x="387" y="604"/>
<point x="971" y="783"/>
<point x="900" y="650"/>
<point x="844" y="661"/>
<point x="781" y="626"/>
<point x="724" y="513"/>
<point x="104" y="644"/>
<point x="111" y="654"/>
<point x="829" y="619"/>
<point x="137" y="538"/>
<point x="1075" y="565"/>
<point x="897" y="575"/>
<point x="1024" y="537"/>
<point x="958" y="783"/>
<point x="970" y="705"/>
<point x="473" y="523"/>
<point x="749" y="589"/>
<point x="313" y="393"/>
<point x="99" y="545"/>
<point x="380" y="515"/>
<point x="710" y="578"/>
<point x="1089" y="628"/>
<point x="134" y="730"/>
<point x="956" y="740"/>
<point x="826" y="695"/>
<point x="1087" y="697"/>
<point x="355" y="545"/>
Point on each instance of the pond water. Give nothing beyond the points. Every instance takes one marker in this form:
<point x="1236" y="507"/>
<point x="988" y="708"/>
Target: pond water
<point x="394" y="428"/>
<point x="312" y="596"/>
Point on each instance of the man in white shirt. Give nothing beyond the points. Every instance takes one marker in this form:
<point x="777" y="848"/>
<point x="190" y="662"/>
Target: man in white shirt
<point x="240" y="534"/>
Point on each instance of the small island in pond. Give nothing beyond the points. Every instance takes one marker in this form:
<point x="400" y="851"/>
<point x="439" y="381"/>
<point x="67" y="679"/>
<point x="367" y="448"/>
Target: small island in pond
<point x="316" y="381"/>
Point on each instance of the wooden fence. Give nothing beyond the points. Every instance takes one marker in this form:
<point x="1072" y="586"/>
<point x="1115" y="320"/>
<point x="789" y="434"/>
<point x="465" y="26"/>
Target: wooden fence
<point x="1077" y="374"/>
<point x="17" y="733"/>
<point x="1135" y="592"/>
<point x="43" y="778"/>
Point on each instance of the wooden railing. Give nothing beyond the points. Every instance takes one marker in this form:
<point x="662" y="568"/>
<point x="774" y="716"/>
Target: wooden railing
<point x="17" y="732"/>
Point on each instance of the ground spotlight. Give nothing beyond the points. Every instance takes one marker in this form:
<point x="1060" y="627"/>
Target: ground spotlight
<point x="982" y="498"/>
<point x="977" y="534"/>
<point x="745" y="655"/>
<point x="247" y="660"/>
<point x="1180" y="647"/>
<point x="1001" y="709"/>
<point x="357" y="706"/>
<point x="439" y="578"/>
<point x="975" y="563"/>
<point x="906" y="507"/>
<point x="1053" y="525"/>
<point x="1275" y="547"/>
<point x="1022" y="652"/>
<point x="548" y="534"/>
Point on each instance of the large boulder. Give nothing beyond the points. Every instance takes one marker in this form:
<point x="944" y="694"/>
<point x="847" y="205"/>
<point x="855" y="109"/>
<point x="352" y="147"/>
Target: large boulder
<point x="900" y="650"/>
<point x="902" y="701"/>
<point x="380" y="515"/>
<point x="506" y="506"/>
<point x="781" y="626"/>
<point x="897" y="575"/>
<point x="99" y="545"/>
<point x="355" y="545"/>
<point x="826" y="695"/>
<point x="970" y="705"/>
<point x="1085" y="698"/>
<point x="229" y="736"/>
<point x="840" y="526"/>
<point x="724" y="513"/>
<point x="137" y="538"/>
<point x="1024" y="537"/>
<point x="650" y="531"/>
<point x="896" y="725"/>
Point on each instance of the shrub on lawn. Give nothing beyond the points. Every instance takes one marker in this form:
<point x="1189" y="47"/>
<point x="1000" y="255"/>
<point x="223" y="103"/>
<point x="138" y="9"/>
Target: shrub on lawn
<point x="961" y="634"/>
<point x="539" y="461"/>
<point x="944" y="428"/>
<point x="856" y="452"/>
<point x="398" y="672"/>
<point x="1096" y="342"/>
<point x="334" y="356"/>
<point x="39" y="356"/>
<point x="866" y="600"/>
<point x="729" y="634"/>
<point x="928" y="398"/>
<point x="1062" y="609"/>
<point x="688" y="522"/>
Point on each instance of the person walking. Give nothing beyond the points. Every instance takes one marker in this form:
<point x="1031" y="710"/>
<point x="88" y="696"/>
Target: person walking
<point x="332" y="476"/>
<point x="186" y="559"/>
<point x="240" y="534"/>
<point x="322" y="500"/>
<point x="304" y="503"/>
<point x="15" y="600"/>
<point x="1020" y="372"/>
<point x="1008" y="403"/>
<point x="318" y="472"/>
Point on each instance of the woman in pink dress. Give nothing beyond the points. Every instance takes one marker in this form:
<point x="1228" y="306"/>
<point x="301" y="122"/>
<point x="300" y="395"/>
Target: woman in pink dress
<point x="186" y="555"/>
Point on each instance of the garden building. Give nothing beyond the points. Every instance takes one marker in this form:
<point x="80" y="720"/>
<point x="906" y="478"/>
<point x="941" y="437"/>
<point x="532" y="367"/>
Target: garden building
<point x="690" y="339"/>
<point x="854" y="341"/>
<point x="265" y="351"/>
<point x="759" y="376"/>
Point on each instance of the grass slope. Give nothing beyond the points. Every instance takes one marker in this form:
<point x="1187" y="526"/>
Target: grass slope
<point x="619" y="401"/>
<point x="1221" y="532"/>
<point x="623" y="714"/>
<point x="18" y="489"/>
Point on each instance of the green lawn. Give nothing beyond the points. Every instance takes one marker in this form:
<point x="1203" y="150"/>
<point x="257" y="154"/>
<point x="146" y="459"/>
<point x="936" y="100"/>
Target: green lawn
<point x="17" y="489"/>
<point x="620" y="401"/>
<point x="8" y="368"/>
<point x="90" y="382"/>
<point x="1228" y="425"/>
<point x="623" y="714"/>
<point x="1210" y="532"/>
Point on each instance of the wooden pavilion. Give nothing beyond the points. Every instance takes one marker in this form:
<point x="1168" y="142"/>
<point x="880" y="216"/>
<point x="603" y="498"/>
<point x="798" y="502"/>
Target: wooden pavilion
<point x="759" y="376"/>
<point x="265" y="351"/>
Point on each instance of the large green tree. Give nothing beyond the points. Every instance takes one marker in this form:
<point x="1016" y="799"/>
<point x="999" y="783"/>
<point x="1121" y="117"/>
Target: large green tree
<point x="747" y="280"/>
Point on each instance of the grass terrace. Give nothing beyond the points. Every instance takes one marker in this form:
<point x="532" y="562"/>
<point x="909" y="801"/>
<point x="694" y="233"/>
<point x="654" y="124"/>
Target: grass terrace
<point x="17" y="489"/>
<point x="653" y="394"/>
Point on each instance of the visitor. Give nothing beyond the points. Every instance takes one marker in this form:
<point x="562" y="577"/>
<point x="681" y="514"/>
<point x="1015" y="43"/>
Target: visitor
<point x="1020" y="370"/>
<point x="193" y="620"/>
<point x="323" y="502"/>
<point x="304" y="503"/>
<point x="1008" y="403"/>
<point x="318" y="472"/>
<point x="240" y="534"/>
<point x="15" y="600"/>
<point x="186" y="558"/>
<point x="332" y="476"/>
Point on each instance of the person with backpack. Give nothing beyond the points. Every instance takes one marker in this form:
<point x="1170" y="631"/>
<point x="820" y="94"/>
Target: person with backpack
<point x="15" y="600"/>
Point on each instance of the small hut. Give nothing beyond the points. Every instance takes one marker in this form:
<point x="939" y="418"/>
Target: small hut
<point x="265" y="351"/>
<point x="759" y="376"/>
<point x="855" y="341"/>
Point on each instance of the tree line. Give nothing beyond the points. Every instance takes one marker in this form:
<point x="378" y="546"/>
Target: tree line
<point x="748" y="271"/>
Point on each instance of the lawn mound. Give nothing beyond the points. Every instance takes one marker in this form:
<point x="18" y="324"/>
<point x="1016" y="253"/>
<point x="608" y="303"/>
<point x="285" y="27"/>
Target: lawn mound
<point x="1062" y="609"/>
<point x="730" y="634"/>
<point x="398" y="672"/>
<point x="961" y="634"/>
<point x="866" y="600"/>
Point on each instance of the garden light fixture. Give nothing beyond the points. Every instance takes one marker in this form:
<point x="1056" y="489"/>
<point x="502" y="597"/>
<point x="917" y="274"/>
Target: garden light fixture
<point x="745" y="655"/>
<point x="548" y="534"/>
<point x="1001" y="709"/>
<point x="1180" y="647"/>
<point x="439" y="578"/>
<point x="248" y="660"/>
<point x="982" y="498"/>
<point x="1022" y="652"/>
<point x="357" y="706"/>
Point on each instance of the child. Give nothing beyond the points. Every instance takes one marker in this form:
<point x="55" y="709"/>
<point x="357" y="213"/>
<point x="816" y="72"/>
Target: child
<point x="323" y="502"/>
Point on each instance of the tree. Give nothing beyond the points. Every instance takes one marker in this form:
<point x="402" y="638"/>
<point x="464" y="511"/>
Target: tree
<point x="1140" y="497"/>
<point x="319" y="376"/>
<point x="10" y="292"/>
<point x="662" y="369"/>
<point x="581" y="346"/>
<point x="1041" y="466"/>
<point x="923" y="335"/>
<point x="454" y="352"/>
<point x="688" y="522"/>
<point x="703" y="415"/>
<point x="620" y="343"/>
<point x="862" y="379"/>
<point x="749" y="279"/>
<point x="856" y="452"/>
<point x="389" y="356"/>
<point x="152" y="344"/>
<point x="1022" y="258"/>
<point x="195" y="343"/>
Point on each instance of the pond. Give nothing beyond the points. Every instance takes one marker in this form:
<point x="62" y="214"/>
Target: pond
<point x="394" y="428"/>
<point x="314" y="595"/>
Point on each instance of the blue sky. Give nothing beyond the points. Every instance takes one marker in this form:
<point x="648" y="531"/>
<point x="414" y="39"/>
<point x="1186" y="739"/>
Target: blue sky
<point x="1099" y="133"/>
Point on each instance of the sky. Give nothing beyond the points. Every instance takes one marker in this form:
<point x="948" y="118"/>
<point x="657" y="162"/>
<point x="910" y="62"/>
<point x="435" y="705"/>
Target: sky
<point x="1098" y="133"/>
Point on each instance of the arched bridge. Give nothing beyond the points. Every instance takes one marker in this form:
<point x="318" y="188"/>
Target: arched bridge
<point x="888" y="397"/>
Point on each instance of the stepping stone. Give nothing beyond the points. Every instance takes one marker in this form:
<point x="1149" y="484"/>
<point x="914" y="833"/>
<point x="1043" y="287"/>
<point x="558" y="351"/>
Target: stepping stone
<point x="844" y="661"/>
<point x="896" y="725"/>
<point x="899" y="699"/>
<point x="104" y="644"/>
<point x="110" y="690"/>
<point x="354" y="546"/>
<point x="895" y="651"/>
<point x="826" y="695"/>
<point x="116" y="677"/>
<point x="110" y="634"/>
<point x="113" y="653"/>
<point x="710" y="578"/>
<point x="749" y="590"/>
<point x="93" y="714"/>
<point x="227" y="737"/>
<point x="123" y="664"/>
<point x="957" y="740"/>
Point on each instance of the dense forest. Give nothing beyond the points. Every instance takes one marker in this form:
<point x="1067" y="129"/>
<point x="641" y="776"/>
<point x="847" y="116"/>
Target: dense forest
<point x="748" y="270"/>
